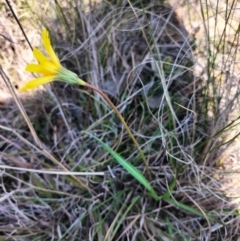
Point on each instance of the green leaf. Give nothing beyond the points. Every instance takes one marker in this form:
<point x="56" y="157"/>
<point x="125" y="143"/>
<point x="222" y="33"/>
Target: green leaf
<point x="128" y="167"/>
<point x="189" y="209"/>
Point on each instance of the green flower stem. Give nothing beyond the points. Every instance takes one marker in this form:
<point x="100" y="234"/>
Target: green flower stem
<point x="123" y="122"/>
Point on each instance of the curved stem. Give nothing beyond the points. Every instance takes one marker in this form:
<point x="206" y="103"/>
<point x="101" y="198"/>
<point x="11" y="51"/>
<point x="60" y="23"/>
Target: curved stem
<point x="123" y="122"/>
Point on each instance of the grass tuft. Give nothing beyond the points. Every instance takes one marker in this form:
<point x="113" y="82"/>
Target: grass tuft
<point x="172" y="72"/>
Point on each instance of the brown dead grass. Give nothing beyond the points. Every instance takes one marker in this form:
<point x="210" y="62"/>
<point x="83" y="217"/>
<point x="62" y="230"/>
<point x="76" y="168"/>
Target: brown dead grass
<point x="222" y="22"/>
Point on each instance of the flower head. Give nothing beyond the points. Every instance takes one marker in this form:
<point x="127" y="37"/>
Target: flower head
<point x="49" y="67"/>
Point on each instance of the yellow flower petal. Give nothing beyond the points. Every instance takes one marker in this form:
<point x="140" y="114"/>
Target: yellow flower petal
<point x="48" y="47"/>
<point x="47" y="68"/>
<point x="35" y="68"/>
<point x="39" y="56"/>
<point x="37" y="82"/>
<point x="51" y="68"/>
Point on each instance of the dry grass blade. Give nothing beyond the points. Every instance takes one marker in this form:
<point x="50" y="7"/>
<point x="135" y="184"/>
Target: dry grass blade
<point x="54" y="172"/>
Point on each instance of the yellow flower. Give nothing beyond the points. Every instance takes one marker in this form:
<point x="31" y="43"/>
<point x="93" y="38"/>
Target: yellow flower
<point x="49" y="67"/>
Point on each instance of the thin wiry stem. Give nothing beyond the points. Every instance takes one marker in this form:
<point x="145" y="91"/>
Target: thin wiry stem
<point x="123" y="122"/>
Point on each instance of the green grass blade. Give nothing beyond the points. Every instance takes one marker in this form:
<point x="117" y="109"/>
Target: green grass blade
<point x="119" y="219"/>
<point x="128" y="167"/>
<point x="167" y="194"/>
<point x="189" y="209"/>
